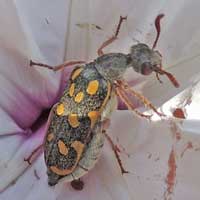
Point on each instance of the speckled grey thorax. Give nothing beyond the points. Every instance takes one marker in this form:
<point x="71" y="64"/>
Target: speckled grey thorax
<point x="112" y="66"/>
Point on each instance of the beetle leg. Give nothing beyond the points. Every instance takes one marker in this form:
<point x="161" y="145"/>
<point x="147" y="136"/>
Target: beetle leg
<point x="57" y="67"/>
<point x="125" y="87"/>
<point x="112" y="38"/>
<point x="158" y="28"/>
<point x="120" y="93"/>
<point x="34" y="154"/>
<point x="116" y="152"/>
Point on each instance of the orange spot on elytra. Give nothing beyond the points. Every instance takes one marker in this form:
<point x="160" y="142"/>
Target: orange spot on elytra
<point x="73" y="120"/>
<point x="60" y="109"/>
<point x="171" y="176"/>
<point x="179" y="113"/>
<point x="92" y="87"/>
<point x="93" y="115"/>
<point x="78" y="147"/>
<point x="50" y="137"/>
<point x="62" y="148"/>
<point x="76" y="73"/>
<point x="79" y="97"/>
<point x="61" y="172"/>
<point x="71" y="90"/>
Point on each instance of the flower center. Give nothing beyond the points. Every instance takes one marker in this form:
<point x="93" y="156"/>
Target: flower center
<point x="40" y="120"/>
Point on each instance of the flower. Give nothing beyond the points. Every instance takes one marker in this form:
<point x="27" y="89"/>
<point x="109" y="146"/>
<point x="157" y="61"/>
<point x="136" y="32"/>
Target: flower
<point x="162" y="156"/>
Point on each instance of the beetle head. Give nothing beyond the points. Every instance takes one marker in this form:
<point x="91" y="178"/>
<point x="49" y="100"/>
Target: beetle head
<point x="144" y="60"/>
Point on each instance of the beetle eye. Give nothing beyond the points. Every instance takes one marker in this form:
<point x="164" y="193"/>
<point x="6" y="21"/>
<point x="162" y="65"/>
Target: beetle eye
<point x="146" y="68"/>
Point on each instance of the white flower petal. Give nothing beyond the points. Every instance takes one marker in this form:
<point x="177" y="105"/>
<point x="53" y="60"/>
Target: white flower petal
<point x="33" y="184"/>
<point x="13" y="164"/>
<point x="9" y="126"/>
<point x="46" y="26"/>
<point x="191" y="126"/>
<point x="150" y="146"/>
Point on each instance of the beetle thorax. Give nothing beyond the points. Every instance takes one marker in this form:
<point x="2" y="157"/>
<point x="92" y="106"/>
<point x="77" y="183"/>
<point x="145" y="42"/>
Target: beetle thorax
<point x="112" y="66"/>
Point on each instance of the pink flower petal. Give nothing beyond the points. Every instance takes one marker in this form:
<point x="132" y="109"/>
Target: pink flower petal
<point x="149" y="146"/>
<point x="24" y="91"/>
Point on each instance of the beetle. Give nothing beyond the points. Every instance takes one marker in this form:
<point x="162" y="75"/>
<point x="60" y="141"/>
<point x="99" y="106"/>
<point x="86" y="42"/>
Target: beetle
<point x="76" y="127"/>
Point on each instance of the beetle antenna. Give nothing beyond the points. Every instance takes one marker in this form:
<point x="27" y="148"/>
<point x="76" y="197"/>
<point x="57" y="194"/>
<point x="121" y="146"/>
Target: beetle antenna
<point x="158" y="29"/>
<point x="161" y="71"/>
